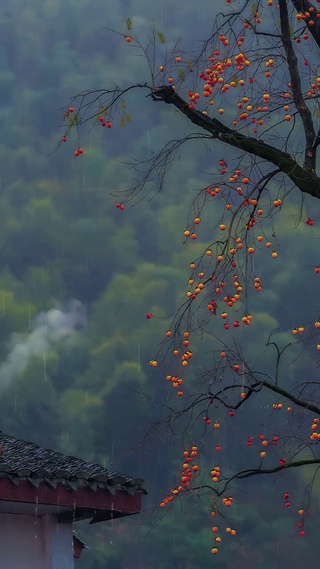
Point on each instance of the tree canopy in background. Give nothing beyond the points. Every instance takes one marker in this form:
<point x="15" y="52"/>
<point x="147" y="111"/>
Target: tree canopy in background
<point x="92" y="391"/>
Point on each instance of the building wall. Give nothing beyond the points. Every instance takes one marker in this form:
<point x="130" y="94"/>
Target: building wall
<point x="30" y="542"/>
<point x="61" y="546"/>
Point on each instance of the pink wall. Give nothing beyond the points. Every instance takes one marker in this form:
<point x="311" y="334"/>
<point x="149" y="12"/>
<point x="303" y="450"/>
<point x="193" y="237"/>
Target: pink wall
<point x="30" y="542"/>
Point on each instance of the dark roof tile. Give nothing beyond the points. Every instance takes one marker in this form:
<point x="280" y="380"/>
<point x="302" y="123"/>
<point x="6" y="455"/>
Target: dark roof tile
<point x="21" y="460"/>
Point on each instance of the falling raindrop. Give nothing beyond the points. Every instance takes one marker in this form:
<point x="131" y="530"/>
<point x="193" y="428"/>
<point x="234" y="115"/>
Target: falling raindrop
<point x="148" y="135"/>
<point x="161" y="17"/>
<point x="44" y="367"/>
<point x="111" y="521"/>
<point x="139" y="358"/>
<point x="36" y="509"/>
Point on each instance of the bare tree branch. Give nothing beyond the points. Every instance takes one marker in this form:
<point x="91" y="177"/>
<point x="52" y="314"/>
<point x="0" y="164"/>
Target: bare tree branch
<point x="302" y="107"/>
<point x="304" y="6"/>
<point x="303" y="178"/>
<point x="300" y="402"/>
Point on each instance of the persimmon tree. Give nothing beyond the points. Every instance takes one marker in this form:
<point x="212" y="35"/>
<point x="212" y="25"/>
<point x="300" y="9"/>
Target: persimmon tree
<point x="250" y="93"/>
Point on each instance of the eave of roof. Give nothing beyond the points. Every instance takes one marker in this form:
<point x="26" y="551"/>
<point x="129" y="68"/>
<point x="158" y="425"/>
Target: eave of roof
<point x="65" y="504"/>
<point x="26" y="461"/>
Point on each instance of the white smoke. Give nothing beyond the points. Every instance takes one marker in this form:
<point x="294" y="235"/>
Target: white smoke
<point x="48" y="328"/>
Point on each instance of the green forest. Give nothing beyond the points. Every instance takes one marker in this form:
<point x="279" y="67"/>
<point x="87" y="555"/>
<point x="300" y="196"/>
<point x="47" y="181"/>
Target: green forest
<point x="83" y="385"/>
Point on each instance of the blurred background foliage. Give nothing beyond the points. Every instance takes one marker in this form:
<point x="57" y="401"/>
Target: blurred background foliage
<point x="61" y="237"/>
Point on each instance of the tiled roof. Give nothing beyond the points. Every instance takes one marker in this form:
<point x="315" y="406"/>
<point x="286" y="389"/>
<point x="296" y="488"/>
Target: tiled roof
<point x="21" y="460"/>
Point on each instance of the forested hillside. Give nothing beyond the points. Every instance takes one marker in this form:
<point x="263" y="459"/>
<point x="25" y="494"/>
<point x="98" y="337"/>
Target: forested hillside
<point x="81" y="382"/>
